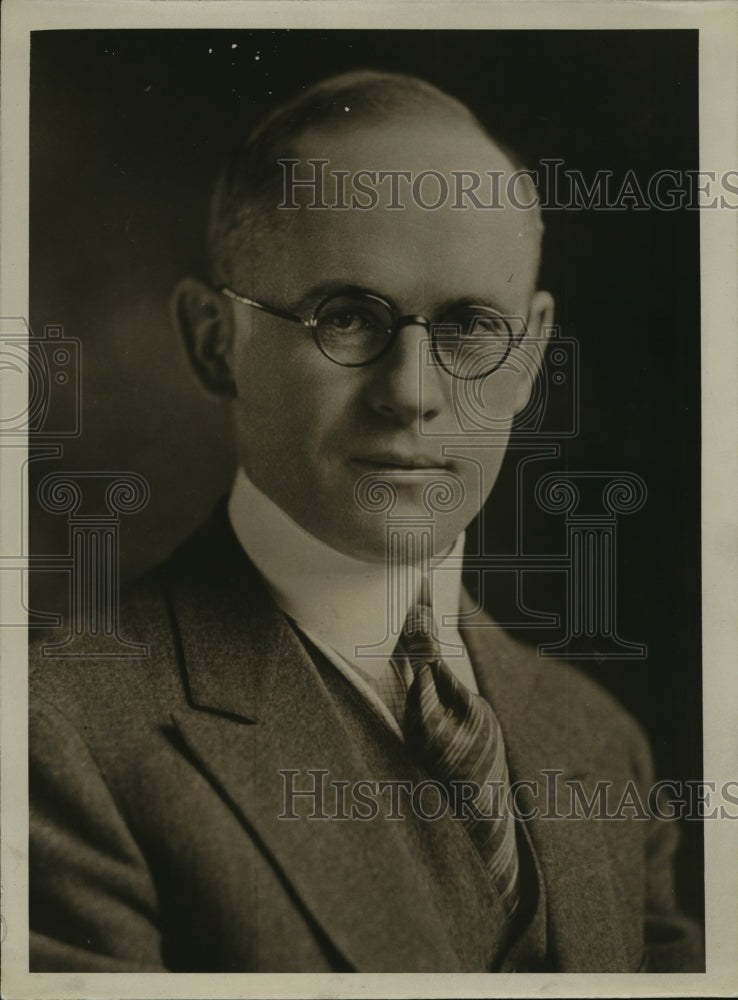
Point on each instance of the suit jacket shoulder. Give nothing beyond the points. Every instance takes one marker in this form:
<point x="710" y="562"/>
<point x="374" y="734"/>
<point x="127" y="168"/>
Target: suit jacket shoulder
<point x="151" y="787"/>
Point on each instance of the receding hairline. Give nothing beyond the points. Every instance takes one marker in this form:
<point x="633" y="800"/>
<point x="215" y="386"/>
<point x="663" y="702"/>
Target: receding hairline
<point x="370" y="97"/>
<point x="375" y="95"/>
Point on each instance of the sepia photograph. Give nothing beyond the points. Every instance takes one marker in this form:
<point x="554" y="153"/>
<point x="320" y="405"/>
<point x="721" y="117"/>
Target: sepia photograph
<point x="360" y="484"/>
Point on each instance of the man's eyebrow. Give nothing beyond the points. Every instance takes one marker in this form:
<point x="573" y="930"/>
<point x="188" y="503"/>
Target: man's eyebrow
<point x="315" y="295"/>
<point x="467" y="301"/>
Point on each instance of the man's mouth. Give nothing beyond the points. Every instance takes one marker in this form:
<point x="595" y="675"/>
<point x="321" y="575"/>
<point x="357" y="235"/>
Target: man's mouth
<point x="401" y="462"/>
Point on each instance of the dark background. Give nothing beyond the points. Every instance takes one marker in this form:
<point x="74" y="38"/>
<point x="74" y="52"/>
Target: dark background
<point x="127" y="131"/>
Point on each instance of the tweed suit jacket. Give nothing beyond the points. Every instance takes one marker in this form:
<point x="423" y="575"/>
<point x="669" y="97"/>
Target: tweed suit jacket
<point x="156" y="796"/>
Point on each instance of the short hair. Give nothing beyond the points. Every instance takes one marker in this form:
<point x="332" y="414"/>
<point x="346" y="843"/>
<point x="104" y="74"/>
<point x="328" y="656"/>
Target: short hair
<point x="250" y="173"/>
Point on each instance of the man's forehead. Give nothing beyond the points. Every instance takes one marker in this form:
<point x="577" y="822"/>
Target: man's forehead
<point x="394" y="235"/>
<point x="405" y="146"/>
<point x="439" y="142"/>
<point x="435" y="173"/>
<point x="394" y="254"/>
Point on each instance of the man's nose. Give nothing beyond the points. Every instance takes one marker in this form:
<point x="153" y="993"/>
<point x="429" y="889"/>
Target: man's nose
<point x="406" y="384"/>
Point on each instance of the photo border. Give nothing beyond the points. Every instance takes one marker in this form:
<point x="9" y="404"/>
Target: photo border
<point x="718" y="81"/>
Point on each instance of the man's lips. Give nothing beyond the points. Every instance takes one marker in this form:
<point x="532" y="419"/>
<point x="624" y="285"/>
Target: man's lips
<point x="401" y="462"/>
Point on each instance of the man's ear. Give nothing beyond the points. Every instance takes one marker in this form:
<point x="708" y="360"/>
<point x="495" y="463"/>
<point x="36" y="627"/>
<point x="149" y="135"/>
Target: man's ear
<point x="534" y="344"/>
<point x="204" y="319"/>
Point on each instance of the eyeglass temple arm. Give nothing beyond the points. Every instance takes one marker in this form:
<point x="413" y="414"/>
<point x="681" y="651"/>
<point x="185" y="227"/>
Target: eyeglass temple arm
<point x="271" y="310"/>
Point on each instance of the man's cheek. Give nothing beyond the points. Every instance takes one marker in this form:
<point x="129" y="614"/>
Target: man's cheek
<point x="490" y="404"/>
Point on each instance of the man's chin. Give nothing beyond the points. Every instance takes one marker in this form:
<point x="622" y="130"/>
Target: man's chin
<point x="403" y="539"/>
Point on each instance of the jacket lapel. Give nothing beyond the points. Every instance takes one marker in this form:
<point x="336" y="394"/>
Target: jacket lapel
<point x="257" y="707"/>
<point x="572" y="854"/>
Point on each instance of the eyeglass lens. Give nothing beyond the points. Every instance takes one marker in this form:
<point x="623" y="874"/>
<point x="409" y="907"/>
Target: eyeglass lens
<point x="469" y="341"/>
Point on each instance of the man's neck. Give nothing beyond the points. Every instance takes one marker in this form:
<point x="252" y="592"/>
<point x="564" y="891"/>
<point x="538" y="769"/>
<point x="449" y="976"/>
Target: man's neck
<point x="356" y="607"/>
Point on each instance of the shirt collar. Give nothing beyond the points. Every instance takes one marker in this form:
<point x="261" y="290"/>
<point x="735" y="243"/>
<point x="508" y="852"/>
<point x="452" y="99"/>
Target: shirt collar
<point x="340" y="600"/>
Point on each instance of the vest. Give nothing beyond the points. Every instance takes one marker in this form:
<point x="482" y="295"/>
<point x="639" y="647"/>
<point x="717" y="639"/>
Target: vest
<point x="444" y="856"/>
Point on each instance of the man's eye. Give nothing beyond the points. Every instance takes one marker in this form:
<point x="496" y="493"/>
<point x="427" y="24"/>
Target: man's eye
<point x="350" y="321"/>
<point x="472" y="323"/>
<point x="345" y="320"/>
<point x="493" y="325"/>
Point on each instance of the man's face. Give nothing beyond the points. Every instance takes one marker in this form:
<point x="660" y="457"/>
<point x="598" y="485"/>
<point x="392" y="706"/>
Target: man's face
<point x="311" y="433"/>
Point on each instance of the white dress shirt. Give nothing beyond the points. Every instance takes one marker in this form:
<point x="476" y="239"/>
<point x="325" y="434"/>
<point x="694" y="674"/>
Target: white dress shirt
<point x="341" y="603"/>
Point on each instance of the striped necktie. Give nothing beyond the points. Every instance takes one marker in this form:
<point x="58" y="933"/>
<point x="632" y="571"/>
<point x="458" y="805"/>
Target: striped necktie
<point x="458" y="738"/>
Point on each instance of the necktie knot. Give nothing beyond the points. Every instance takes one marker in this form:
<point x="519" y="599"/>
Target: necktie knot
<point x="417" y="641"/>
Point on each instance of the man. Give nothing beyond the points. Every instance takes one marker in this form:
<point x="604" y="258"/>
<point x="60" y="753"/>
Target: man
<point x="330" y="760"/>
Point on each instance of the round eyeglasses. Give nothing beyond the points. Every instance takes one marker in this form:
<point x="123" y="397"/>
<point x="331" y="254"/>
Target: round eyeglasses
<point x="354" y="327"/>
